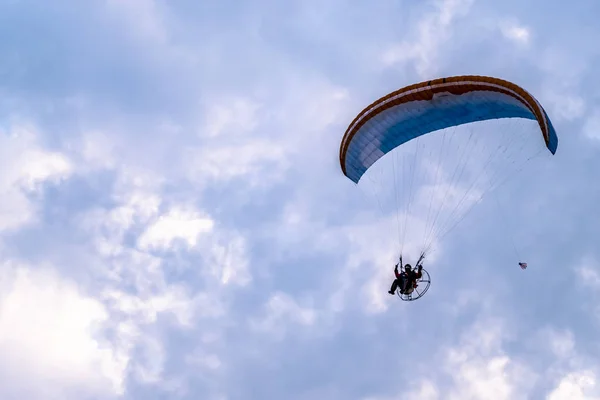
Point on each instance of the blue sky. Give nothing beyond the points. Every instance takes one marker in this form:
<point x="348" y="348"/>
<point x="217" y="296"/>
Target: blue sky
<point x="174" y="223"/>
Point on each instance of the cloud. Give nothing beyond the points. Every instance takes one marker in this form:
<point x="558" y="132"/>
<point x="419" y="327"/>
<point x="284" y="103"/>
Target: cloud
<point x="433" y="31"/>
<point x="561" y="343"/>
<point x="50" y="332"/>
<point x="255" y="162"/>
<point x="232" y="116"/>
<point x="476" y="366"/>
<point x="136" y="247"/>
<point x="174" y="218"/>
<point x="142" y="17"/>
<point x="281" y="311"/>
<point x="564" y="74"/>
<point x="27" y="167"/>
<point x="563" y="105"/>
<point x="514" y="31"/>
<point x="479" y="367"/>
<point x="575" y="386"/>
<point x="98" y="150"/>
<point x="591" y="127"/>
<point x="176" y="224"/>
<point x="588" y="273"/>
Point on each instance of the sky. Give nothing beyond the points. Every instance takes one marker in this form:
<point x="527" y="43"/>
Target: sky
<point x="174" y="223"/>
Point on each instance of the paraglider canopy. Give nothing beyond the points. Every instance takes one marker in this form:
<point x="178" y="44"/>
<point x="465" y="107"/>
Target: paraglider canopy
<point x="429" y="106"/>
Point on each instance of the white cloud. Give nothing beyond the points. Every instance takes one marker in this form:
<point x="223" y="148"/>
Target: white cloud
<point x="257" y="161"/>
<point x="246" y="139"/>
<point x="149" y="302"/>
<point x="150" y="368"/>
<point x="43" y="166"/>
<point x="426" y="391"/>
<point x="109" y="227"/>
<point x="307" y="106"/>
<point x="477" y="379"/>
<point x="587" y="270"/>
<point x="280" y="313"/>
<point x="564" y="105"/>
<point x="98" y="151"/>
<point x="137" y="204"/>
<point x="220" y="254"/>
<point x="433" y="30"/>
<point x="591" y="127"/>
<point x="516" y="32"/>
<point x="227" y="259"/>
<point x="25" y="167"/>
<point x="176" y="224"/>
<point x="477" y="366"/>
<point x="576" y="386"/>
<point x="562" y="343"/>
<point x="138" y="286"/>
<point x="561" y="92"/>
<point x="51" y="333"/>
<point x="231" y="117"/>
